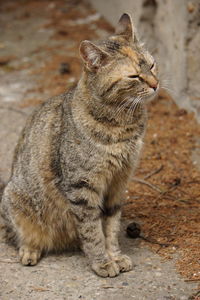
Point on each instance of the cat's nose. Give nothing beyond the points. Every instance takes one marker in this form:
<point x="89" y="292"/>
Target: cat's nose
<point x="154" y="88"/>
<point x="153" y="84"/>
<point x="151" y="81"/>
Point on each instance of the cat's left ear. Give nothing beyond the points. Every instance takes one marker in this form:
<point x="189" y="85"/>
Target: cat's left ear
<point x="125" y="28"/>
<point x="93" y="56"/>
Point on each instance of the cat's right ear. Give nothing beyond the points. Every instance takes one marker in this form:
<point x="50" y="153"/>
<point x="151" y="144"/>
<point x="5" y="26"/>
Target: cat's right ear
<point x="125" y="28"/>
<point x="92" y="56"/>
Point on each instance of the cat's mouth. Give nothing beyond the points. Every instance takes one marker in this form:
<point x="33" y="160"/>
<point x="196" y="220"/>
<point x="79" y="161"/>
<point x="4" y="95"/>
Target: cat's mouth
<point x="151" y="93"/>
<point x="128" y="103"/>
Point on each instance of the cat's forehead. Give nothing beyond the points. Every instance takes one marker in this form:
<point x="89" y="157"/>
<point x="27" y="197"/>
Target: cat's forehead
<point x="137" y="55"/>
<point x="130" y="50"/>
<point x="131" y="53"/>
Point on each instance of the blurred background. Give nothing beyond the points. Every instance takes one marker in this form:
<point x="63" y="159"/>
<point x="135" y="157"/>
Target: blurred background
<point x="171" y="30"/>
<point x="39" y="58"/>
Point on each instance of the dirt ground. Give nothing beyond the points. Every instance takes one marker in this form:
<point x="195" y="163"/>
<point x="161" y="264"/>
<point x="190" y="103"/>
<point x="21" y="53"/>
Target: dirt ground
<point x="39" y="58"/>
<point x="169" y="209"/>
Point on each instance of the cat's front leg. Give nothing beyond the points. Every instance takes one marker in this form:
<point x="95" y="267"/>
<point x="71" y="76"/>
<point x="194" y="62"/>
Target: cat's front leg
<point x="111" y="229"/>
<point x="92" y="239"/>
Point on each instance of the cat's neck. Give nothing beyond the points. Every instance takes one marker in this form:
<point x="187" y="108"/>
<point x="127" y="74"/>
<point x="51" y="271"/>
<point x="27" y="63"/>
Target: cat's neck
<point x="101" y="122"/>
<point x="116" y="114"/>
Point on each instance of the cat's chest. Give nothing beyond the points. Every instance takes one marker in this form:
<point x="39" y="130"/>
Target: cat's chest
<point x="119" y="156"/>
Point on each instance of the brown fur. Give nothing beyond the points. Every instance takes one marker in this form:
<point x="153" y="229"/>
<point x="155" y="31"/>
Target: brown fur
<point x="77" y="153"/>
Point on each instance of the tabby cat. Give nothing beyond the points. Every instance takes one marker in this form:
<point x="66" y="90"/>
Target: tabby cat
<point x="76" y="154"/>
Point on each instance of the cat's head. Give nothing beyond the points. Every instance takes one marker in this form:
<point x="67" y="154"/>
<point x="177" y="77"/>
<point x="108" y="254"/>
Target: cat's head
<point x="118" y="68"/>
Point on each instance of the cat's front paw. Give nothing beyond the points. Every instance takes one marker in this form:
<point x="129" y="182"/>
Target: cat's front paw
<point x="124" y="262"/>
<point x="108" y="269"/>
<point x="29" y="256"/>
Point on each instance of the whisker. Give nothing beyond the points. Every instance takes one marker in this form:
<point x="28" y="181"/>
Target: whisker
<point x="133" y="107"/>
<point x="170" y="91"/>
<point x="120" y="108"/>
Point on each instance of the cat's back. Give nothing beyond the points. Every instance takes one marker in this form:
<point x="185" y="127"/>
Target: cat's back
<point x="41" y="134"/>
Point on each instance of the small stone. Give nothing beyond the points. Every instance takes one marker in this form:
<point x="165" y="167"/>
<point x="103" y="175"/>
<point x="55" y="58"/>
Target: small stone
<point x="191" y="7"/>
<point x="133" y="230"/>
<point x="72" y="80"/>
<point x="181" y="112"/>
<point x="155" y="135"/>
<point x="64" y="68"/>
<point x="185" y="298"/>
<point x="63" y="32"/>
<point x="4" y="60"/>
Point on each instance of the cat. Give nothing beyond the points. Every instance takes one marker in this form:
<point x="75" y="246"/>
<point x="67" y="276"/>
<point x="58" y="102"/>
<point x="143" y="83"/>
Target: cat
<point x="77" y="153"/>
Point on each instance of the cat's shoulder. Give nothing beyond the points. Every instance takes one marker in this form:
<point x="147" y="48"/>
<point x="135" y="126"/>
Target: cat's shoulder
<point x="52" y="106"/>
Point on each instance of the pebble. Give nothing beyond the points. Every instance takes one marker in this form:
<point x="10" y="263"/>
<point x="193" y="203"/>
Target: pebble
<point x="133" y="230"/>
<point x="64" y="68"/>
<point x="125" y="283"/>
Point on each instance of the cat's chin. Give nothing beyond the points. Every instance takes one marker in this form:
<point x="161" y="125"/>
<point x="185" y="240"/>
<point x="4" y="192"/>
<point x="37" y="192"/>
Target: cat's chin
<point x="150" y="96"/>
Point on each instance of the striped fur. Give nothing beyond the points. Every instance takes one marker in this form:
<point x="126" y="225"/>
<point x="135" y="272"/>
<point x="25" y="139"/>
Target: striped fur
<point x="76" y="154"/>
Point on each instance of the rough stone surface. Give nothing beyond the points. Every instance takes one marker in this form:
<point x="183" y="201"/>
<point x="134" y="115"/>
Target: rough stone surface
<point x="172" y="31"/>
<point x="193" y="54"/>
<point x="68" y="276"/>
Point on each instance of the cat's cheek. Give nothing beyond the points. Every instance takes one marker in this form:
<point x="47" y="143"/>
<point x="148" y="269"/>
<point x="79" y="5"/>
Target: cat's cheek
<point x="151" y="95"/>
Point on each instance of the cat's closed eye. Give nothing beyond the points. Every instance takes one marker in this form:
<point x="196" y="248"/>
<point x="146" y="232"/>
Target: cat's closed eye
<point x="133" y="76"/>
<point x="152" y="66"/>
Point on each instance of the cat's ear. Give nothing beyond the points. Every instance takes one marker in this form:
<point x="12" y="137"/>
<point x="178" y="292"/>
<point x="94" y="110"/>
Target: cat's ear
<point x="125" y="27"/>
<point x="92" y="55"/>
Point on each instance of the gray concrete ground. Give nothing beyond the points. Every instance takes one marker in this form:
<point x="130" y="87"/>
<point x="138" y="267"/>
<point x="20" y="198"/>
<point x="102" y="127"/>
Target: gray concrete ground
<point x="68" y="276"/>
<point x="65" y="276"/>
